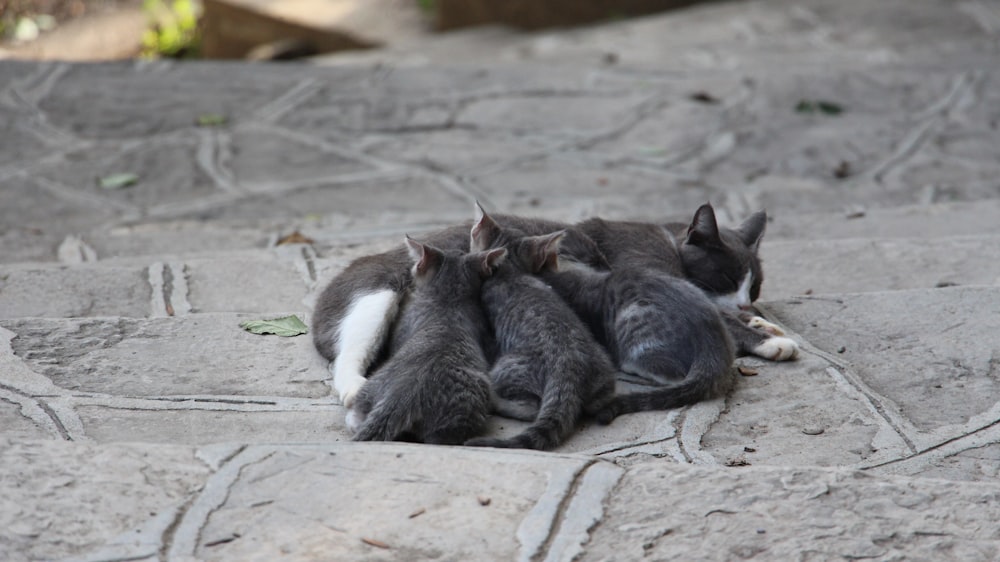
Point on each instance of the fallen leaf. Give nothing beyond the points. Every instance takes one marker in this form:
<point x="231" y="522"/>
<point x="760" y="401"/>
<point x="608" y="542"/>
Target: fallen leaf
<point x="286" y="327"/>
<point x="118" y="181"/>
<point x="747" y="371"/>
<point x="417" y="513"/>
<point x="375" y="543"/>
<point x="211" y="120"/>
<point x="294" y="238"/>
<point x="483" y="500"/>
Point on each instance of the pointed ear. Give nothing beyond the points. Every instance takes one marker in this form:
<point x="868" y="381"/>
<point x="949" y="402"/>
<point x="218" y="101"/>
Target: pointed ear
<point x="490" y="260"/>
<point x="425" y="258"/>
<point x="704" y="231"/>
<point x="484" y="231"/>
<point x="752" y="230"/>
<point x="544" y="251"/>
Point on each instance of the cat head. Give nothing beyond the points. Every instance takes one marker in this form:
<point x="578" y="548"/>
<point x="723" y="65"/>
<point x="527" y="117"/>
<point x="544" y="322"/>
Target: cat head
<point x="723" y="262"/>
<point x="531" y="254"/>
<point x="452" y="271"/>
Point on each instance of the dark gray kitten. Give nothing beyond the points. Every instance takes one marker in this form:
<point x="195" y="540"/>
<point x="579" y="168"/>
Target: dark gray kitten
<point x="660" y="329"/>
<point x="434" y="386"/>
<point x="549" y="369"/>
<point x="722" y="262"/>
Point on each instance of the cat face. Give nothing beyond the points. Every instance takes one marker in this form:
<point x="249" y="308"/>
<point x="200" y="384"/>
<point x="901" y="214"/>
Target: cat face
<point x="723" y="262"/>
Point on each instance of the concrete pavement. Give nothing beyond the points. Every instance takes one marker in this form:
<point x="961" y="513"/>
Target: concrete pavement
<point x="138" y="421"/>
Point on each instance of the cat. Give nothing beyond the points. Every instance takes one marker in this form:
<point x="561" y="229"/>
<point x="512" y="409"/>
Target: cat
<point x="550" y="370"/>
<point x="722" y="262"/>
<point x="354" y="314"/>
<point x="660" y="330"/>
<point x="434" y="386"/>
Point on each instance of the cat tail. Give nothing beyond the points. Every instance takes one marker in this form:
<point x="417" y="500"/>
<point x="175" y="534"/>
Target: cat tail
<point x="705" y="379"/>
<point x="387" y="421"/>
<point x="557" y="417"/>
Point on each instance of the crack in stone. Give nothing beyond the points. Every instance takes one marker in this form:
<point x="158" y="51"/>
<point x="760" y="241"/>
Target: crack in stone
<point x="560" y="515"/>
<point x="937" y="446"/>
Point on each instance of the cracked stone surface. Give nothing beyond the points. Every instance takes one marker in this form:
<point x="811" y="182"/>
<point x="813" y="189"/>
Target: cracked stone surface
<point x="127" y="386"/>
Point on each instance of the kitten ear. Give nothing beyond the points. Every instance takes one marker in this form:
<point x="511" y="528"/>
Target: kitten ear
<point x="704" y="231"/>
<point x="544" y="251"/>
<point x="490" y="260"/>
<point x="752" y="230"/>
<point x="485" y="230"/>
<point x="425" y="258"/>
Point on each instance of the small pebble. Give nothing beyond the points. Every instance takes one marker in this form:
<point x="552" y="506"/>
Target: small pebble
<point x="812" y="430"/>
<point x="841" y="349"/>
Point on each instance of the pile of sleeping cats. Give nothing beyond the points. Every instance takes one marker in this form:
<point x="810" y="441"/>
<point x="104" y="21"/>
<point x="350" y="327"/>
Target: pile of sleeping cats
<point x="536" y="320"/>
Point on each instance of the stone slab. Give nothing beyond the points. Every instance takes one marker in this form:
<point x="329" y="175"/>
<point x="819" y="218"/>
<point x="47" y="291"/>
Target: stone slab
<point x="204" y="354"/>
<point x="408" y="502"/>
<point x="923" y="351"/>
<point x="65" y="292"/>
<point x="46" y="482"/>
<point x="863" y="265"/>
<point x="756" y="513"/>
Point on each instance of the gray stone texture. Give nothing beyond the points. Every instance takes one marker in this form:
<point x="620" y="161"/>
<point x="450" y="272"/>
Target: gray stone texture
<point x="138" y="421"/>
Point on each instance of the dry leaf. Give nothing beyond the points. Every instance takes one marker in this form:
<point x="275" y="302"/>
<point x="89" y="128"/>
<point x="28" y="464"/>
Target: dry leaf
<point x="294" y="238"/>
<point x="748" y="372"/>
<point x="375" y="543"/>
<point x="418" y="513"/>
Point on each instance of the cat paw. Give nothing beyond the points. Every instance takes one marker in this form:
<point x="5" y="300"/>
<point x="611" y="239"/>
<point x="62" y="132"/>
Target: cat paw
<point x="349" y="390"/>
<point x="762" y="324"/>
<point x="353" y="421"/>
<point x="777" y="349"/>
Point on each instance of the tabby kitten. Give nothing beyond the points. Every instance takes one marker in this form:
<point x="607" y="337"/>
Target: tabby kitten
<point x="433" y="387"/>
<point x="550" y="370"/>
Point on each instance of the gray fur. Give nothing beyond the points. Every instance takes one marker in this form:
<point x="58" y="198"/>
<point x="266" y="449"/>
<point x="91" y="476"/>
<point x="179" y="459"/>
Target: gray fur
<point x="434" y="386"/>
<point x="658" y="328"/>
<point x="550" y="370"/>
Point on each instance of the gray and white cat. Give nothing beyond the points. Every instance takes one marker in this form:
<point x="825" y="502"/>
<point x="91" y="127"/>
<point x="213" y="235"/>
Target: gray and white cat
<point x="434" y="386"/>
<point x="550" y="370"/>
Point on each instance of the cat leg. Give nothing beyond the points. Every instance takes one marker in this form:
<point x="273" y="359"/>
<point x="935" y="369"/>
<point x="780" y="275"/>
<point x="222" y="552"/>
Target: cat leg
<point x="762" y="324"/>
<point x="751" y="340"/>
<point x="361" y="335"/>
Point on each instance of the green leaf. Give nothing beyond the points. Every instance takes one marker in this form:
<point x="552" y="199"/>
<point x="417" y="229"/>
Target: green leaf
<point x="286" y="327"/>
<point x="829" y="108"/>
<point x="118" y="181"/>
<point x="211" y="120"/>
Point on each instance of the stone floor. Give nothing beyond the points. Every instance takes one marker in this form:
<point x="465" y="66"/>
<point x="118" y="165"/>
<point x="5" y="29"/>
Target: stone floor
<point x="139" y="422"/>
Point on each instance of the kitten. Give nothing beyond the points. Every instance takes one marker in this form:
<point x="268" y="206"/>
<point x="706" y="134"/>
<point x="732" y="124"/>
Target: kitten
<point x="354" y="314"/>
<point x="550" y="370"/>
<point x="434" y="386"/>
<point x="660" y="329"/>
<point x="721" y="262"/>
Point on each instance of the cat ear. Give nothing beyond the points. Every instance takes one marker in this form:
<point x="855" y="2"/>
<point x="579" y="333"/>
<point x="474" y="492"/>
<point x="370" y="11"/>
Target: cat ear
<point x="424" y="257"/>
<point x="704" y="231"/>
<point x="484" y="230"/>
<point x="490" y="260"/>
<point x="544" y="252"/>
<point x="752" y="230"/>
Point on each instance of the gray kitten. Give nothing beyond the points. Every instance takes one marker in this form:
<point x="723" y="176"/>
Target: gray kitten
<point x="550" y="370"/>
<point x="434" y="387"/>
<point x="722" y="262"/>
<point x="660" y="329"/>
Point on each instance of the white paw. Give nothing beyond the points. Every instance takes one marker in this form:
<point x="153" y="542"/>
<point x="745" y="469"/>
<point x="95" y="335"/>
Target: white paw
<point x="353" y="420"/>
<point x="777" y="349"/>
<point x="761" y="324"/>
<point x="348" y="389"/>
